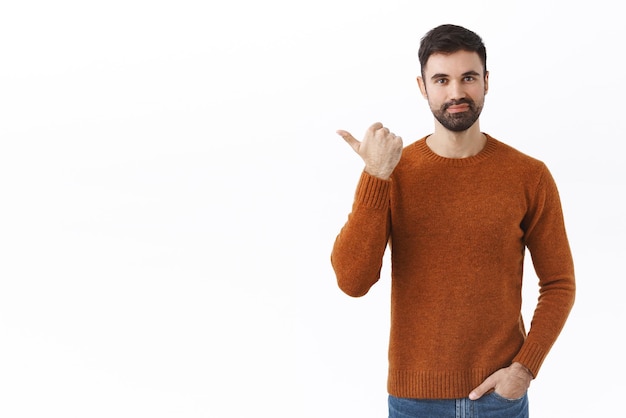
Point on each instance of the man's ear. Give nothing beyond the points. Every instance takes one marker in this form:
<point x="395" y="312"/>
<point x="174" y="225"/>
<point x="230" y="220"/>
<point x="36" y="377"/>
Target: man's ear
<point x="422" y="86"/>
<point x="486" y="81"/>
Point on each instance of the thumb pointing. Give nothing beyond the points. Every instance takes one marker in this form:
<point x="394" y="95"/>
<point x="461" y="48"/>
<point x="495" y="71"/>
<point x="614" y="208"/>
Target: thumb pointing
<point x="352" y="141"/>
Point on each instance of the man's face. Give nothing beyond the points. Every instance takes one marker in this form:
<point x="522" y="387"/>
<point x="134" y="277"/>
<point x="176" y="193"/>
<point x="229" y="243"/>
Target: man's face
<point x="455" y="87"/>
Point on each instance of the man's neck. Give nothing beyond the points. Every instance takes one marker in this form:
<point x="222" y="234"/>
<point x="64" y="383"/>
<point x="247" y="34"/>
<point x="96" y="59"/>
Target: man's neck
<point x="451" y="144"/>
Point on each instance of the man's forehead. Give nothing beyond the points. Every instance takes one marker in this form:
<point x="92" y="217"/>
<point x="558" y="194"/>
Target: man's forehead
<point x="454" y="63"/>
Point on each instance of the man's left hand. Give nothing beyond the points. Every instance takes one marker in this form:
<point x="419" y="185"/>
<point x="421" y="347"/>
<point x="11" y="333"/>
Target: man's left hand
<point x="510" y="382"/>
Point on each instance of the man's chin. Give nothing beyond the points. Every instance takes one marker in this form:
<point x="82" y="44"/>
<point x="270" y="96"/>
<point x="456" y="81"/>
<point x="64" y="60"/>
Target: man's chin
<point x="457" y="126"/>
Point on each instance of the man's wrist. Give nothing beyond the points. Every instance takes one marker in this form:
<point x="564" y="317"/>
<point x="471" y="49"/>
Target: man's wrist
<point x="377" y="174"/>
<point x="520" y="367"/>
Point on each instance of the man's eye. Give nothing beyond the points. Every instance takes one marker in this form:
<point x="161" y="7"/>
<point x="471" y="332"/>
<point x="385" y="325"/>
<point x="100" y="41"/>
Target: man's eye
<point x="440" y="81"/>
<point x="469" y="78"/>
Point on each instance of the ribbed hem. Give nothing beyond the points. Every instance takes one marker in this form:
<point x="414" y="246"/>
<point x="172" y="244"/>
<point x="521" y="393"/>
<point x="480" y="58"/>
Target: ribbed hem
<point x="435" y="384"/>
<point x="373" y="192"/>
<point x="532" y="356"/>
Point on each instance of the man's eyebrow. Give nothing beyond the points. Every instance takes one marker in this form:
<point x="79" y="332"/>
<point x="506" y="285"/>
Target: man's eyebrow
<point x="465" y="74"/>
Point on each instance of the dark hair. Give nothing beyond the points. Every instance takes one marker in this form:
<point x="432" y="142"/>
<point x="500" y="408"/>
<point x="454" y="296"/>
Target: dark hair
<point x="447" y="39"/>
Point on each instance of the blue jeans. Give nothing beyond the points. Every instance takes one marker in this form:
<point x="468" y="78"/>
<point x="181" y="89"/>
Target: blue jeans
<point x="490" y="405"/>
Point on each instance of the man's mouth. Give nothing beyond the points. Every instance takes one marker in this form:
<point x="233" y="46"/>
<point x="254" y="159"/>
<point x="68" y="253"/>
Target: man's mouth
<point x="458" y="108"/>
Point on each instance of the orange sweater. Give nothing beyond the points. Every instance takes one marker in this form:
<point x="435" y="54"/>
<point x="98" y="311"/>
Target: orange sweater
<point x="458" y="230"/>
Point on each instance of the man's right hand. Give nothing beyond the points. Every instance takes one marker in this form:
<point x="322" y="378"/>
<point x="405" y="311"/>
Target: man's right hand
<point x="380" y="150"/>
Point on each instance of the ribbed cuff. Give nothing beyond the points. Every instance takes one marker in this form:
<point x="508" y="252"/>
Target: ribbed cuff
<point x="532" y="356"/>
<point x="373" y="192"/>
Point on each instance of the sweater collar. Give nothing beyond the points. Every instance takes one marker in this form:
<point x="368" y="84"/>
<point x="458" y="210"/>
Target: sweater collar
<point x="488" y="150"/>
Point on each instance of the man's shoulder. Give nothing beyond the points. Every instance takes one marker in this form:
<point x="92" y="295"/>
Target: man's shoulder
<point x="507" y="152"/>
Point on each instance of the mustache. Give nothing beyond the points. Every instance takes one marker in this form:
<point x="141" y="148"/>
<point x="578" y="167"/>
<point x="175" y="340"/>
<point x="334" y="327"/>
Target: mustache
<point x="469" y="102"/>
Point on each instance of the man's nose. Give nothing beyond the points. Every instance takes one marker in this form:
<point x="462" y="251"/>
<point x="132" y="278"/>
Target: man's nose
<point x="456" y="91"/>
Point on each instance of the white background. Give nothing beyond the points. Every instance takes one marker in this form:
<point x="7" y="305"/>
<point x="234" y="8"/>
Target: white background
<point x="171" y="185"/>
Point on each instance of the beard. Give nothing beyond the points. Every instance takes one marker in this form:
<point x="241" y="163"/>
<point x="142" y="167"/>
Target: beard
<point x="461" y="121"/>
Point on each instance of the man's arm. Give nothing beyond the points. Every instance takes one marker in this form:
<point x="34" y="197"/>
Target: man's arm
<point x="546" y="240"/>
<point x="359" y="248"/>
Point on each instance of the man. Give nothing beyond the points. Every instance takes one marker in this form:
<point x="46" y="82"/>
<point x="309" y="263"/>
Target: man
<point x="458" y="209"/>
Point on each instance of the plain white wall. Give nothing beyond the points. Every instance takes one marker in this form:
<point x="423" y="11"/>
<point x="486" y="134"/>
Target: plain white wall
<point x="171" y="185"/>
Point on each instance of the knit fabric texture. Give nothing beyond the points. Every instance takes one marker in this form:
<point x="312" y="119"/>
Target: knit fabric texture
<point x="458" y="231"/>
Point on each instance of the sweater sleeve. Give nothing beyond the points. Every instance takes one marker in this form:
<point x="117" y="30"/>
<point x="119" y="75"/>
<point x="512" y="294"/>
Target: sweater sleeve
<point x="358" y="250"/>
<point x="547" y="242"/>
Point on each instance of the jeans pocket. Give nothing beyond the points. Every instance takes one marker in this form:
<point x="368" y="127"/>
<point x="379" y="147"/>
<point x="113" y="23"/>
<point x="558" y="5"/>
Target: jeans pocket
<point x="497" y="406"/>
<point x="504" y="399"/>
